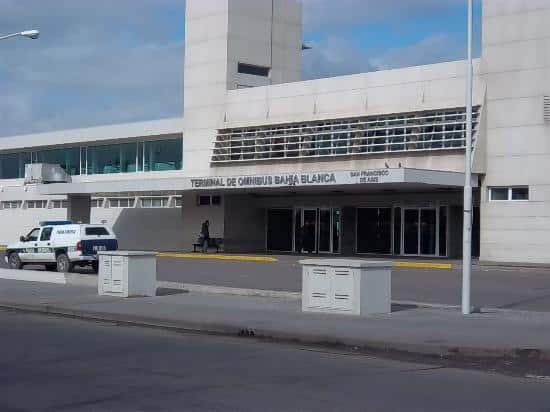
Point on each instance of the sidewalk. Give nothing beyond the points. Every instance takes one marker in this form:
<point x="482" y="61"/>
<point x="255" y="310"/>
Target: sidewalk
<point x="437" y="331"/>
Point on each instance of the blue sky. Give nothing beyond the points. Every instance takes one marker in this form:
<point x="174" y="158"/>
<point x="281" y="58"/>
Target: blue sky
<point x="104" y="61"/>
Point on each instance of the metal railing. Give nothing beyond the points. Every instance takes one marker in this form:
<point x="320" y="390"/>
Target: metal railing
<point x="405" y="132"/>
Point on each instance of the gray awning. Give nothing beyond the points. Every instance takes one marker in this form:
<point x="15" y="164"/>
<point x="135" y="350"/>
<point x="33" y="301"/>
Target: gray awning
<point x="358" y="179"/>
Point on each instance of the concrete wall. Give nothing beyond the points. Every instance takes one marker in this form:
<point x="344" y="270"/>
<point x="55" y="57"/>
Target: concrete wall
<point x="516" y="68"/>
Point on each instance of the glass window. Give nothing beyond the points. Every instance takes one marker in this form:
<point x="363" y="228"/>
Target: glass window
<point x="96" y="231"/>
<point x="253" y="69"/>
<point x="46" y="233"/>
<point x="36" y="204"/>
<point x="397" y="231"/>
<point x="118" y="158"/>
<point x="59" y="204"/>
<point x="204" y="200"/>
<point x="154" y="202"/>
<point x="374" y="230"/>
<point x="33" y="235"/>
<point x="178" y="201"/>
<point x="520" y="193"/>
<point x="443" y="231"/>
<point x="11" y="204"/>
<point x="216" y="200"/>
<point x="162" y="155"/>
<point x="498" y="193"/>
<point x="12" y="165"/>
<point x="121" y="202"/>
<point x="68" y="158"/>
<point x="97" y="202"/>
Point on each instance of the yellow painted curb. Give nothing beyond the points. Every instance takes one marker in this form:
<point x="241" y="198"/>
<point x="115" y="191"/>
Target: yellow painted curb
<point x="423" y="265"/>
<point x="2" y="247"/>
<point x="217" y="257"/>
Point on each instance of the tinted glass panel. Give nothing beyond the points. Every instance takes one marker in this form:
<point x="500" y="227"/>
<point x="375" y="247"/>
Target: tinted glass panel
<point x="68" y="158"/>
<point x="374" y="230"/>
<point x="12" y="165"/>
<point x="253" y="69"/>
<point x="46" y="233"/>
<point x="163" y="155"/>
<point x="443" y="231"/>
<point x="324" y="230"/>
<point x="410" y="235"/>
<point x="96" y="231"/>
<point x="119" y="158"/>
<point x="428" y="234"/>
<point x="499" y="194"/>
<point x="336" y="227"/>
<point x="279" y="230"/>
<point x="520" y="193"/>
<point x="397" y="231"/>
<point x="33" y="235"/>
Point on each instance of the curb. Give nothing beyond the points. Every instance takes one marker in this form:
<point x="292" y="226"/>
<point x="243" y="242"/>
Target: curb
<point x="439" y="351"/>
<point x="422" y="265"/>
<point x="217" y="257"/>
<point x="76" y="279"/>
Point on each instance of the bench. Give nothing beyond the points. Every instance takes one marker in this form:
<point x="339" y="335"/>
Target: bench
<point x="212" y="243"/>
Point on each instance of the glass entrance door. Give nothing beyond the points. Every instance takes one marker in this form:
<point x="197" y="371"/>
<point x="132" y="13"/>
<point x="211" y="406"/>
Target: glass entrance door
<point x="410" y="232"/>
<point x="428" y="231"/>
<point x="317" y="230"/>
<point x="420" y="235"/>
<point x="324" y="229"/>
<point x="309" y="230"/>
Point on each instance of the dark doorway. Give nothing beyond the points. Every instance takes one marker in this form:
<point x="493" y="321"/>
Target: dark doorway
<point x="279" y="230"/>
<point x="374" y="230"/>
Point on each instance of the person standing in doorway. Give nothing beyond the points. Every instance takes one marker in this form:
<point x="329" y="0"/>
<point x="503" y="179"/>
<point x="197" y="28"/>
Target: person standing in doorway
<point x="205" y="234"/>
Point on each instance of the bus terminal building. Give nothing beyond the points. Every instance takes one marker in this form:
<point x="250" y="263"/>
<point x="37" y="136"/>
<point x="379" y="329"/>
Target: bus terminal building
<point x="367" y="164"/>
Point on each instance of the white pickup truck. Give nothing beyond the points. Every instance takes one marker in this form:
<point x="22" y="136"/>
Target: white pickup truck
<point x="60" y="245"/>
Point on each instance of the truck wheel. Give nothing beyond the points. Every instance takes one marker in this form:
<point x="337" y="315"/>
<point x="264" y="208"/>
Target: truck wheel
<point x="14" y="261"/>
<point x="51" y="266"/>
<point x="95" y="266"/>
<point x="64" y="265"/>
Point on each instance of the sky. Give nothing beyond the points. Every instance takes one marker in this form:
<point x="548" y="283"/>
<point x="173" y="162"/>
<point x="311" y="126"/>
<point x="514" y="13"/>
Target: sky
<point x="114" y="61"/>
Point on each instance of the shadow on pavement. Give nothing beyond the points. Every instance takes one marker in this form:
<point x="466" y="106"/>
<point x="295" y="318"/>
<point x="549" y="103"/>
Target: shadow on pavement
<point x="169" y="291"/>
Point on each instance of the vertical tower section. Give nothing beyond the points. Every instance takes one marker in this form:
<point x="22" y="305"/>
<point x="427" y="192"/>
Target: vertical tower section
<point x="232" y="44"/>
<point x="515" y="64"/>
<point x="264" y="42"/>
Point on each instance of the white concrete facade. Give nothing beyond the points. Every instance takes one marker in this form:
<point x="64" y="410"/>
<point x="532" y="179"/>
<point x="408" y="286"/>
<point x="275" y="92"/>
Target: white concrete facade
<point x="223" y="100"/>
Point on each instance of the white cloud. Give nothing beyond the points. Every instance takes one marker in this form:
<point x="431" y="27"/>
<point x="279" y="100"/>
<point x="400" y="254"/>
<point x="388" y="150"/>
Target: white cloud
<point x="336" y="56"/>
<point x="96" y="62"/>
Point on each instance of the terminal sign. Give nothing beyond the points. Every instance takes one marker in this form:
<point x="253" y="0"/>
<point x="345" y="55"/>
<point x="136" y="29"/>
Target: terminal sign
<point x="293" y="179"/>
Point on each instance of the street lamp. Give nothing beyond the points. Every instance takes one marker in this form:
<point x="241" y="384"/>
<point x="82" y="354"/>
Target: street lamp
<point x="467" y="220"/>
<point x="30" y="34"/>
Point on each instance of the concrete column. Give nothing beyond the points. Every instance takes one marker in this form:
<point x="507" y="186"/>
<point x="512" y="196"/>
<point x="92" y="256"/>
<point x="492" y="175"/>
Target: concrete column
<point x="79" y="208"/>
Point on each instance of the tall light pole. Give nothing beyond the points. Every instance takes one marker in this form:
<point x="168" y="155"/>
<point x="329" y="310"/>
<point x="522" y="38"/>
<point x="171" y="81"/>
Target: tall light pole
<point x="467" y="220"/>
<point x="30" y="34"/>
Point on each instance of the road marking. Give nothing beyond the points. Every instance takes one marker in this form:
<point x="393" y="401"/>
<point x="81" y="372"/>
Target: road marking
<point x="422" y="265"/>
<point x="217" y="257"/>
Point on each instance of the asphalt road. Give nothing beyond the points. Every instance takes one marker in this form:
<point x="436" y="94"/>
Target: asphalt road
<point x="512" y="288"/>
<point x="507" y="288"/>
<point x="60" y="364"/>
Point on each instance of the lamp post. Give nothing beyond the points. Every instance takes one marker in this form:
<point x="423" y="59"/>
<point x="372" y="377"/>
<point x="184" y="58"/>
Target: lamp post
<point x="30" y="34"/>
<point x="467" y="220"/>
